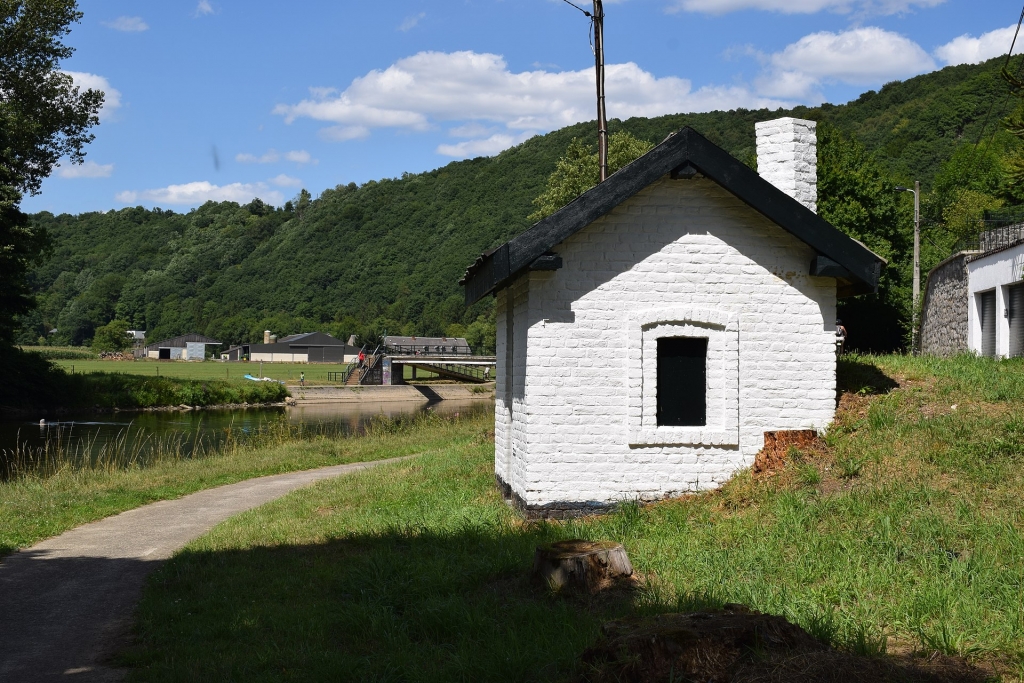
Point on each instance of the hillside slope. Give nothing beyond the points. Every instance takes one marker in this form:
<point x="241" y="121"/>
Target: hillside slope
<point x="388" y="254"/>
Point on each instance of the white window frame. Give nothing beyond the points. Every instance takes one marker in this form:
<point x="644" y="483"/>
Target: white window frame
<point x="721" y="329"/>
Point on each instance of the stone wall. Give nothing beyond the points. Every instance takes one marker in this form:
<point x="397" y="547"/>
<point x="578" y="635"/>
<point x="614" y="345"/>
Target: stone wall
<point x="944" y="308"/>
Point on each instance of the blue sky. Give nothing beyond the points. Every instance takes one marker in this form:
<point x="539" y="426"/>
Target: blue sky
<point x="211" y="99"/>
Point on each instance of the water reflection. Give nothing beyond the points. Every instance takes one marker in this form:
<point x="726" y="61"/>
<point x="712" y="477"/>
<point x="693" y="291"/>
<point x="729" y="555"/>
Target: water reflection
<point x="132" y="438"/>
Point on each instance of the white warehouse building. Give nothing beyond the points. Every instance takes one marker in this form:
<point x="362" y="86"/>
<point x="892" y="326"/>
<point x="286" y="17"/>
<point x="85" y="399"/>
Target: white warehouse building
<point x="723" y="284"/>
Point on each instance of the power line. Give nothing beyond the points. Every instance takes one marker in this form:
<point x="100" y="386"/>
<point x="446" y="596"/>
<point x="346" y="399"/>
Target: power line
<point x="590" y="15"/>
<point x="1015" y="33"/>
<point x="1002" y="107"/>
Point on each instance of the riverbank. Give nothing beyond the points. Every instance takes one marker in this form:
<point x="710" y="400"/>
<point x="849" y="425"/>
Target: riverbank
<point x="34" y="506"/>
<point x="35" y="387"/>
<point x="900" y="534"/>
<point x="423" y="393"/>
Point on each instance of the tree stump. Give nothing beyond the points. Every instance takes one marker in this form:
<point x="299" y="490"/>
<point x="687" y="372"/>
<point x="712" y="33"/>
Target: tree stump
<point x="590" y="566"/>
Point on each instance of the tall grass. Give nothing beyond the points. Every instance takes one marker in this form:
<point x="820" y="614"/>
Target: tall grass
<point x="129" y="448"/>
<point x="62" y="352"/>
<point x="136" y="447"/>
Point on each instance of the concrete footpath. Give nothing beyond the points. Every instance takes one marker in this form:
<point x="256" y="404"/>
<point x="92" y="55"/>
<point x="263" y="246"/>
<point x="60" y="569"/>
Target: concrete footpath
<point x="66" y="604"/>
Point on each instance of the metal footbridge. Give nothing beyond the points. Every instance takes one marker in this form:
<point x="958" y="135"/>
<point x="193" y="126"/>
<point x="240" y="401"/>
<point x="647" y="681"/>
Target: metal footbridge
<point x="476" y="369"/>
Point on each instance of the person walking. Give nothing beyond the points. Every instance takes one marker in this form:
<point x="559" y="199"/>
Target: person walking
<point x="302" y="379"/>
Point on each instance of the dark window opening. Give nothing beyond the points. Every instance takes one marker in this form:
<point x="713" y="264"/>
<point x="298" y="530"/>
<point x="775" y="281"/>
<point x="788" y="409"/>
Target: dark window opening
<point x="987" y="308"/>
<point x="682" y="381"/>
<point x="1015" y="294"/>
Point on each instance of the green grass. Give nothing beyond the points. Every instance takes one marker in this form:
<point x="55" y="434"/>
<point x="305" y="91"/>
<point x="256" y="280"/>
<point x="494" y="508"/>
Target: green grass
<point x="416" y="571"/>
<point x="316" y="373"/>
<point x="206" y="370"/>
<point x="33" y="383"/>
<point x="120" y="390"/>
<point x="37" y="507"/>
<point x="62" y="352"/>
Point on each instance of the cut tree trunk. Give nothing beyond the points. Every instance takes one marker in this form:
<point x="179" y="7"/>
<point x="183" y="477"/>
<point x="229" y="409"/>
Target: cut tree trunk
<point x="590" y="566"/>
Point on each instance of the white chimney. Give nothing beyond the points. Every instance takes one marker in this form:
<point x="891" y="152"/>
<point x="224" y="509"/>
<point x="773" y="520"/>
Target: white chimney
<point x="787" y="157"/>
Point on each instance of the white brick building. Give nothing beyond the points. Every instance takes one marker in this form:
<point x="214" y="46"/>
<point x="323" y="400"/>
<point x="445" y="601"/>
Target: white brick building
<point x="722" y="285"/>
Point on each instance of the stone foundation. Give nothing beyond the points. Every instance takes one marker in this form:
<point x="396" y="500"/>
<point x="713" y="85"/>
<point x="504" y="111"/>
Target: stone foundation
<point x="557" y="510"/>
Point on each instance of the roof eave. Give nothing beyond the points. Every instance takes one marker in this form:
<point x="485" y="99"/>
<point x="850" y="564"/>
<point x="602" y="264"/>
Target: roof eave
<point x="494" y="270"/>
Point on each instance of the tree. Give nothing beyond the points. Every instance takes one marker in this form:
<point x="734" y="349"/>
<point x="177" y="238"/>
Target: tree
<point x="302" y="202"/>
<point x="858" y="198"/>
<point x="579" y="170"/>
<point x="111" y="337"/>
<point x="43" y="117"/>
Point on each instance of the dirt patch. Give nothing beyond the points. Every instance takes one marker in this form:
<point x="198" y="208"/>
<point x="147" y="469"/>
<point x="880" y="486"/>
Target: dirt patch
<point x="779" y="445"/>
<point x="738" y="644"/>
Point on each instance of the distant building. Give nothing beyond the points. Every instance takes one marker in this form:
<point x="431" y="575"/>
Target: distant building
<point x="974" y="300"/>
<point x="185" y="347"/>
<point x="427" y="346"/>
<point x="308" y="347"/>
<point x="138" y="339"/>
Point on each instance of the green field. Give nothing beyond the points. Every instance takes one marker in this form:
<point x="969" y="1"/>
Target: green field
<point x="316" y="373"/>
<point x="206" y="370"/>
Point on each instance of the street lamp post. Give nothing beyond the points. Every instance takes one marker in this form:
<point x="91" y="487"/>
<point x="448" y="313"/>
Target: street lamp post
<point x="917" y="261"/>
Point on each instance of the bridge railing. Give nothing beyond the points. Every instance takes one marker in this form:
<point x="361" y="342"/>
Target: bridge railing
<point x="428" y="349"/>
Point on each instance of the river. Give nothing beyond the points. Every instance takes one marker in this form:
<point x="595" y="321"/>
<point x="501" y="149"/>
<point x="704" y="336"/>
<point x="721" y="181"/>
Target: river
<point x="134" y="436"/>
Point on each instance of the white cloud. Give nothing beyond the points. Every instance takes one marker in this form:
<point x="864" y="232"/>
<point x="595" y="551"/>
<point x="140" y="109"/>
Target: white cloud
<point x="967" y="49"/>
<point x="90" y="169"/>
<point x="300" y="156"/>
<point x="195" y="193"/>
<point x="204" y="7"/>
<point x="411" y="21"/>
<point x="128" y="24"/>
<point x="269" y="158"/>
<point x="471" y="130"/>
<point x="860" y="56"/>
<point x="343" y="133"/>
<point x="297" y="156"/>
<point x="86" y="81"/>
<point x="860" y="7"/>
<point x="486" y="147"/>
<point x="422" y="91"/>
<point x="283" y="180"/>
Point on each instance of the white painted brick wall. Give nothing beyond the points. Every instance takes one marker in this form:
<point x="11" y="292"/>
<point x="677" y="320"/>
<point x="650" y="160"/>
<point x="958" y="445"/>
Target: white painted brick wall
<point x="502" y="392"/>
<point x="787" y="157"/>
<point x="675" y="244"/>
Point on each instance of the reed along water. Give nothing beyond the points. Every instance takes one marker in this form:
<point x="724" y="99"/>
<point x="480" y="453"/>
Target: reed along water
<point x="128" y="439"/>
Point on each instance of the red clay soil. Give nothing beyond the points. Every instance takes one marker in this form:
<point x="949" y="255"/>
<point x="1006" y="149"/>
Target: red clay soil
<point x="736" y="644"/>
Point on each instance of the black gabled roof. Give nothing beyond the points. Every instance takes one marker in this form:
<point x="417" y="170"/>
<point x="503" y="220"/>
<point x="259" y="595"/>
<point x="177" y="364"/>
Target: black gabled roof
<point x="311" y="339"/>
<point x="681" y="155"/>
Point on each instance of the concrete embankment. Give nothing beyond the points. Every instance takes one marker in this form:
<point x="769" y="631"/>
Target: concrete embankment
<point x="385" y="394"/>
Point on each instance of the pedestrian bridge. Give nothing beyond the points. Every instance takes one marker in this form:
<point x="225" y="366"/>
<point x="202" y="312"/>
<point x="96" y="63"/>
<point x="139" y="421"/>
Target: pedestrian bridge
<point x="476" y="369"/>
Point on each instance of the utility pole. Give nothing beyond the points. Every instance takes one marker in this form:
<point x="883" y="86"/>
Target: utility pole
<point x="602" y="119"/>
<point x="917" y="262"/>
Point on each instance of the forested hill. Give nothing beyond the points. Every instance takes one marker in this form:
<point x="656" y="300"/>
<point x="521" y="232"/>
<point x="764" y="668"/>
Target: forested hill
<point x="388" y="254"/>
